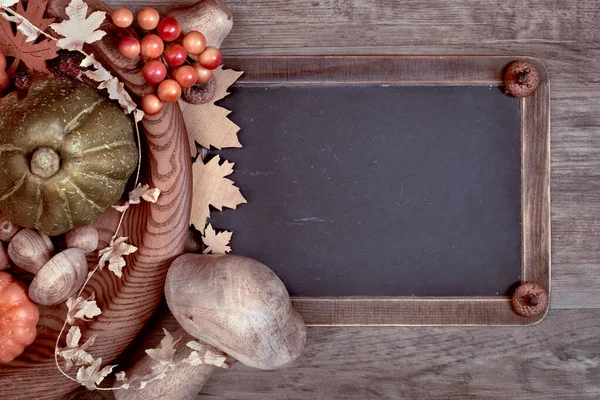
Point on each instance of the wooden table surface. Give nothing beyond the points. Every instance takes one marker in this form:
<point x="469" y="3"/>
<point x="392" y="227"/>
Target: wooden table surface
<point x="559" y="358"/>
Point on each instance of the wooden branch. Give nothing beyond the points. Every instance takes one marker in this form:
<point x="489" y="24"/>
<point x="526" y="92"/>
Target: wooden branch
<point x="182" y="384"/>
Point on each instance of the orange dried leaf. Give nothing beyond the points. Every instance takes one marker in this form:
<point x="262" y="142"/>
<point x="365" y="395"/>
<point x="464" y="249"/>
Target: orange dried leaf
<point x="14" y="43"/>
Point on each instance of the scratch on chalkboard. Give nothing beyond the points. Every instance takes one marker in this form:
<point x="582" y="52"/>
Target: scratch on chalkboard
<point x="336" y="157"/>
<point x="302" y="221"/>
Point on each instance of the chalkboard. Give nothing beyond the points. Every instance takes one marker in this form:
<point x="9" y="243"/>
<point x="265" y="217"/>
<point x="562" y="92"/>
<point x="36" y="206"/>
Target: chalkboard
<point x="379" y="189"/>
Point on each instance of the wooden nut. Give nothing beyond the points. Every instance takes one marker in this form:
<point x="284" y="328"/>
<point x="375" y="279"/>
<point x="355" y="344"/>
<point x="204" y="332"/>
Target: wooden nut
<point x="7" y="229"/>
<point x="30" y="250"/>
<point x="84" y="238"/>
<point x="211" y="17"/>
<point x="62" y="276"/>
<point x="521" y="79"/>
<point x="4" y="261"/>
<point x="530" y="300"/>
<point x="237" y="305"/>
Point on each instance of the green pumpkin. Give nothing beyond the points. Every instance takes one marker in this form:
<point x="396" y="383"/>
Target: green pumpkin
<point x="65" y="155"/>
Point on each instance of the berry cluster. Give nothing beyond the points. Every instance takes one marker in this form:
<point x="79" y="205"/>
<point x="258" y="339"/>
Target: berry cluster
<point x="164" y="50"/>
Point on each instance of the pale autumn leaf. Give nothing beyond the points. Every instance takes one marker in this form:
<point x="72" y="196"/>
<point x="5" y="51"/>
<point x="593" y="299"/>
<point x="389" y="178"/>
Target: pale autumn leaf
<point x="8" y="3"/>
<point x="77" y="29"/>
<point x="92" y="376"/>
<point x="80" y="308"/>
<point x="141" y="192"/>
<point x="208" y="124"/>
<point x="121" y="377"/>
<point x="216" y="243"/>
<point x="74" y="354"/>
<point x="114" y="253"/>
<point x="23" y="26"/>
<point x="138" y="115"/>
<point x="203" y="354"/>
<point x="212" y="188"/>
<point x="116" y="91"/>
<point x="89" y="61"/>
<point x="99" y="75"/>
<point x="164" y="353"/>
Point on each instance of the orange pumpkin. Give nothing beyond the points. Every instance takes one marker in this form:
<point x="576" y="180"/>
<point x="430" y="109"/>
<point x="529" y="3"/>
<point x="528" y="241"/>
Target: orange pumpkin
<point x="18" y="318"/>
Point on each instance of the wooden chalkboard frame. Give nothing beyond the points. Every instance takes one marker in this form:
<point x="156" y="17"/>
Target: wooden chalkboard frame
<point x="535" y="179"/>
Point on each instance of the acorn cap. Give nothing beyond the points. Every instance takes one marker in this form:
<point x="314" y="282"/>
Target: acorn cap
<point x="521" y="79"/>
<point x="530" y="300"/>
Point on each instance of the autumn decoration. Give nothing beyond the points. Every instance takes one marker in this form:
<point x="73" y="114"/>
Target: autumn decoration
<point x="101" y="115"/>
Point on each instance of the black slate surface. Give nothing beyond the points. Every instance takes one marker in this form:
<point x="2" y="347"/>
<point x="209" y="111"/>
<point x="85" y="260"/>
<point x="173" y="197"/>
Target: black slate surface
<point x="378" y="191"/>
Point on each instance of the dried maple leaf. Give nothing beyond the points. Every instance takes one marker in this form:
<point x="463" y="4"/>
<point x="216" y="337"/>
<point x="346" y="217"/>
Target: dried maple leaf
<point x="74" y="354"/>
<point x="216" y="243"/>
<point x="33" y="54"/>
<point x="116" y="91"/>
<point x="121" y="377"/>
<point x="8" y="3"/>
<point x="114" y="253"/>
<point x="207" y="123"/>
<point x="78" y="30"/>
<point x="140" y="192"/>
<point x="92" y="376"/>
<point x="23" y="26"/>
<point x="163" y="354"/>
<point x="211" y="188"/>
<point x="80" y="308"/>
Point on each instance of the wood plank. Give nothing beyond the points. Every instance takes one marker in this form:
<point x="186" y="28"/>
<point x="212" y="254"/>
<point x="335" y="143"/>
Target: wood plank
<point x="563" y="35"/>
<point x="557" y="359"/>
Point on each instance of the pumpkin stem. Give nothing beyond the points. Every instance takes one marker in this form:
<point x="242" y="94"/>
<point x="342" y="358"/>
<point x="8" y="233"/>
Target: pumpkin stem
<point x="45" y="162"/>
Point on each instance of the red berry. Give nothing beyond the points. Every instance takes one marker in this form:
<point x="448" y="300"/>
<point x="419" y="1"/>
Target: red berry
<point x="186" y="76"/>
<point x="194" y="42"/>
<point x="210" y="58"/>
<point x="169" y="91"/>
<point x="122" y="17"/>
<point x="152" y="46"/>
<point x="148" y="18"/>
<point x="129" y="47"/>
<point x="154" y="72"/>
<point x="168" y="29"/>
<point x="2" y="62"/>
<point x="22" y="80"/>
<point x="175" y="55"/>
<point x="151" y="104"/>
<point x="204" y="74"/>
<point x="4" y="81"/>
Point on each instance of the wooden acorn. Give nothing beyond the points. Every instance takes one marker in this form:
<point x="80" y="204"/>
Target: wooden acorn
<point x="30" y="250"/>
<point x="233" y="304"/>
<point x="83" y="237"/>
<point x="56" y="278"/>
